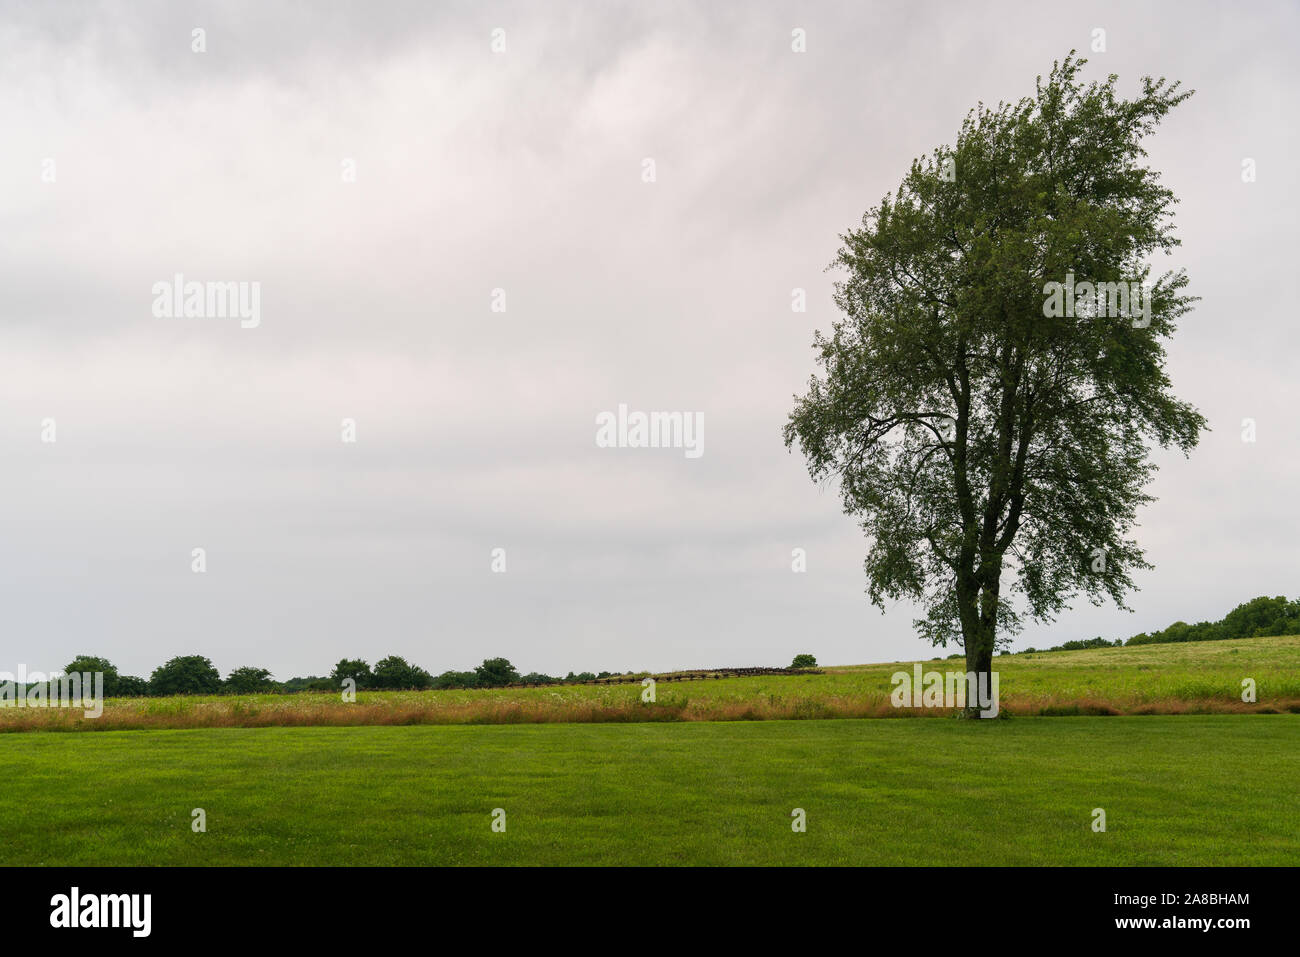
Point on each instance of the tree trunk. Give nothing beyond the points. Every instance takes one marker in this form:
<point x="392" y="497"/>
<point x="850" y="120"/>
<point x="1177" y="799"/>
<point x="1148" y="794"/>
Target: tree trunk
<point x="979" y="629"/>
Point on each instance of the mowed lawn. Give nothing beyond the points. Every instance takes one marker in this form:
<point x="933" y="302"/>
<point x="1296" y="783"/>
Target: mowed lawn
<point x="1198" y="789"/>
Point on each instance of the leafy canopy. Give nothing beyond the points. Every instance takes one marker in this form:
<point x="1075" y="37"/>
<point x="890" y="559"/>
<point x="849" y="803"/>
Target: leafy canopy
<point x="968" y="430"/>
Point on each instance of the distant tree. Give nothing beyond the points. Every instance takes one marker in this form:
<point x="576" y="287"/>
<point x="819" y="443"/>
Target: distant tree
<point x="455" y="679"/>
<point x="129" y="686"/>
<point x="92" y="665"/>
<point x="804" y="661"/>
<point x="536" y="678"/>
<point x="249" y="680"/>
<point x="303" y="683"/>
<point x="185" y="674"/>
<point x="1260" y="616"/>
<point x="496" y="673"/>
<point x="395" y="672"/>
<point x="353" y="668"/>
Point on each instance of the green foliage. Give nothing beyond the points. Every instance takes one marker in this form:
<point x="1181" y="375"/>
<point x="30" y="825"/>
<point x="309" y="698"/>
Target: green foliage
<point x="1084" y="644"/>
<point x="302" y="684"/>
<point x="1258" y="618"/>
<point x="185" y="674"/>
<point x="92" y="664"/>
<point x="354" y="668"/>
<point x="395" y="672"/>
<point x="129" y="686"/>
<point x="455" y="679"/>
<point x="804" y="661"/>
<point x="496" y="673"/>
<point x="969" y="429"/>
<point x="249" y="680"/>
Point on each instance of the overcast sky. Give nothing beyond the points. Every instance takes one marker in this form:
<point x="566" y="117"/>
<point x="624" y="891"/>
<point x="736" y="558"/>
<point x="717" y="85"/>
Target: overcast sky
<point x="523" y="171"/>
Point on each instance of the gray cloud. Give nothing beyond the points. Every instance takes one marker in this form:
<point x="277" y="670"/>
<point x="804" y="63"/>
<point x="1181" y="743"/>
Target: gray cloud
<point x="521" y="171"/>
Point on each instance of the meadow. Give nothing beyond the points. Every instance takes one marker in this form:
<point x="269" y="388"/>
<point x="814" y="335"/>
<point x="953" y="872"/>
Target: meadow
<point x="1176" y="790"/>
<point x="1186" y="678"/>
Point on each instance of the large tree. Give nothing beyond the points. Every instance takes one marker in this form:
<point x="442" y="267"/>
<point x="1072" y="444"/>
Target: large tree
<point x="185" y="674"/>
<point x="990" y="433"/>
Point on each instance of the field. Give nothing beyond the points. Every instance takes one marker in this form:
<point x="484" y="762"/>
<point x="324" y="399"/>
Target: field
<point x="1176" y="790"/>
<point x="591" y="775"/>
<point x="1195" y="677"/>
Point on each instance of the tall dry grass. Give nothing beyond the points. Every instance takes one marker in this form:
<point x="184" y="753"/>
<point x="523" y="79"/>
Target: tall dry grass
<point x="436" y="708"/>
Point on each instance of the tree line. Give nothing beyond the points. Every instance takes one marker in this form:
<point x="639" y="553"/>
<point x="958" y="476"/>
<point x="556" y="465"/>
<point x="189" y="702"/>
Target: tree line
<point x="1258" y="618"/>
<point x="196" y="674"/>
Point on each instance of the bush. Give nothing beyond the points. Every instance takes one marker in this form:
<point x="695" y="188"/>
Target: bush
<point x="804" y="661"/>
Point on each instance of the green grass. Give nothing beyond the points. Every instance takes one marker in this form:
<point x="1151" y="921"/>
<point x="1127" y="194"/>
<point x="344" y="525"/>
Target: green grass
<point x="1183" y="790"/>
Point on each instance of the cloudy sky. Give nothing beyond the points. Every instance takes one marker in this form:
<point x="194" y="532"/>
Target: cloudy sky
<point x="126" y="157"/>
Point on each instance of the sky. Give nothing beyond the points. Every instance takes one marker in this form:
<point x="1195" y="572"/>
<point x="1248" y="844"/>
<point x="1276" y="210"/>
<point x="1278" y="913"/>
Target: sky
<point x="461" y="248"/>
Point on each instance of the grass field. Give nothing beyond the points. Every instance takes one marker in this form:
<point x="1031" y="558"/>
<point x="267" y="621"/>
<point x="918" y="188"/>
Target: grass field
<point x="1214" y="790"/>
<point x="1195" y="677"/>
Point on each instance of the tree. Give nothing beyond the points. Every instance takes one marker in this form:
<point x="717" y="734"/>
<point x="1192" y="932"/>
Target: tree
<point x="975" y="426"/>
<point x="804" y="661"/>
<point x="537" y="678"/>
<point x="1259" y="616"/>
<point x="496" y="673"/>
<point x="249" y="680"/>
<point x="129" y="686"/>
<point x="90" y="664"/>
<point x="186" y="674"/>
<point x="396" y="672"/>
<point x="305" y="683"/>
<point x="456" y="679"/>
<point x="353" y="668"/>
